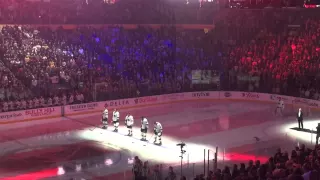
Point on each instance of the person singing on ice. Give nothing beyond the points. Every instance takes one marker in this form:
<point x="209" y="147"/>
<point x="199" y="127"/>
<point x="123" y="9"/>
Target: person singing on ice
<point x="300" y="118"/>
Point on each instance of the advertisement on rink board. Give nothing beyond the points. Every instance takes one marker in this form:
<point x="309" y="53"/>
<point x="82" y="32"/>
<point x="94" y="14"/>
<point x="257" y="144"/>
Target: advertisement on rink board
<point x="300" y="101"/>
<point x="313" y="103"/>
<point x="42" y="112"/>
<point x="249" y="95"/>
<point x="146" y="100"/>
<point x="200" y="94"/>
<point x="116" y="103"/>
<point x="83" y="107"/>
<point x="275" y="97"/>
<point x="172" y="97"/>
<point x="16" y="115"/>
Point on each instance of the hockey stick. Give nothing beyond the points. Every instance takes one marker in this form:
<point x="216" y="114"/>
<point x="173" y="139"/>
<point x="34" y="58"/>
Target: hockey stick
<point x="92" y="129"/>
<point x="148" y="140"/>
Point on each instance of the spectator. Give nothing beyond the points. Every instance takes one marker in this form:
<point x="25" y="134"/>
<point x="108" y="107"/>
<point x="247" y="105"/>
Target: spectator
<point x="171" y="174"/>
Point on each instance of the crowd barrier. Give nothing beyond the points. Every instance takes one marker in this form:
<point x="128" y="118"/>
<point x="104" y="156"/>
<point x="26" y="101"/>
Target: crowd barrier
<point x="97" y="107"/>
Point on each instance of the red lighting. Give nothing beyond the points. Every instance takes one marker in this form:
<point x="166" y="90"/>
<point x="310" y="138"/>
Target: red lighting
<point x="35" y="175"/>
<point x="245" y="157"/>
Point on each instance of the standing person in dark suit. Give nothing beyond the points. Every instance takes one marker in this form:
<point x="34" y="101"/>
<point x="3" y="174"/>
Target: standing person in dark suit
<point x="318" y="134"/>
<point x="300" y="118"/>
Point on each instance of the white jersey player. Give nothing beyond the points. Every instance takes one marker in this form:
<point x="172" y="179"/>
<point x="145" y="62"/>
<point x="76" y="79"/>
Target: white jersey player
<point x="144" y="128"/>
<point x="115" y="119"/>
<point x="105" y="118"/>
<point x="157" y="133"/>
<point x="129" y="123"/>
<point x="280" y="108"/>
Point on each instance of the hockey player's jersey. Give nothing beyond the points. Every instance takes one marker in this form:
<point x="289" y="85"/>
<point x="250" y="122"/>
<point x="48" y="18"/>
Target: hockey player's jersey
<point x="129" y="120"/>
<point x="158" y="127"/>
<point x="144" y="123"/>
<point x="115" y="115"/>
<point x="281" y="104"/>
<point x="105" y="114"/>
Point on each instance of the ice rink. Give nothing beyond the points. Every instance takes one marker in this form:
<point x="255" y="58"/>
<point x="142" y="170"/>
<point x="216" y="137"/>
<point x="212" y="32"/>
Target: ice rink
<point x="76" y="147"/>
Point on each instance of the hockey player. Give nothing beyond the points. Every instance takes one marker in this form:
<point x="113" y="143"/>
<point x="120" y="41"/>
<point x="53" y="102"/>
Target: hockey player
<point x="144" y="128"/>
<point x="157" y="133"/>
<point x="129" y="123"/>
<point x="280" y="108"/>
<point x="115" y="119"/>
<point x="105" y="119"/>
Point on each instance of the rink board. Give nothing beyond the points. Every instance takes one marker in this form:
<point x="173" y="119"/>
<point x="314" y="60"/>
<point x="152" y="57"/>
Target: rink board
<point x="97" y="107"/>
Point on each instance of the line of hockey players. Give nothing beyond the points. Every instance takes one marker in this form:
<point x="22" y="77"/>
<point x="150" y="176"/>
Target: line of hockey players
<point x="41" y="102"/>
<point x="129" y="122"/>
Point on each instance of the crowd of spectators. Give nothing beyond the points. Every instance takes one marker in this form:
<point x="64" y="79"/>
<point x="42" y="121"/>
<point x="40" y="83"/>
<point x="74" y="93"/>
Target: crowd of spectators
<point x="115" y="62"/>
<point x="145" y="171"/>
<point x="301" y="164"/>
